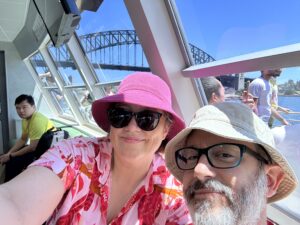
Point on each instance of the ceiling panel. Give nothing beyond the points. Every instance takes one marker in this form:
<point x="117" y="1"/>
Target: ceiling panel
<point x="3" y="36"/>
<point x="12" y="18"/>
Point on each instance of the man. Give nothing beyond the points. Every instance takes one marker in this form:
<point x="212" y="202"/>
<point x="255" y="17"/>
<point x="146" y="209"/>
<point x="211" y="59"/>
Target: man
<point x="214" y="90"/>
<point x="229" y="166"/>
<point x="274" y="103"/>
<point x="34" y="124"/>
<point x="261" y="90"/>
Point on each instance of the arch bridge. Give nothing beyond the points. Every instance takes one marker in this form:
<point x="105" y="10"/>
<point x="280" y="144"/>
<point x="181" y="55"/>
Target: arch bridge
<point x="116" y="50"/>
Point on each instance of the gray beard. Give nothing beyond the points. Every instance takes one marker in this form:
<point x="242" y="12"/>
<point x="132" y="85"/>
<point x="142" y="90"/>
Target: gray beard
<point x="243" y="208"/>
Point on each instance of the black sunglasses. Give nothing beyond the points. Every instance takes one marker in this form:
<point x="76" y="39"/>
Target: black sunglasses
<point x="147" y="120"/>
<point x="221" y="156"/>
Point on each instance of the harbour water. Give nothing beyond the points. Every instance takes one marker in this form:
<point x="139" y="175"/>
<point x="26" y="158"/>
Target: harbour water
<point x="292" y="103"/>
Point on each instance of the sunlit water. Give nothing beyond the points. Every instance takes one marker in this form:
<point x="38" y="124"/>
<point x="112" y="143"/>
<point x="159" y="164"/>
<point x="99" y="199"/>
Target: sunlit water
<point x="293" y="103"/>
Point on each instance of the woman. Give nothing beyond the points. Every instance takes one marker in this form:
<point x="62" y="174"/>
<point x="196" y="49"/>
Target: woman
<point x="119" y="179"/>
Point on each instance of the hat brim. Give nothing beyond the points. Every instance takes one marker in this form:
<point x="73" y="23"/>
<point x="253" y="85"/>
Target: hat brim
<point x="235" y="133"/>
<point x="100" y="107"/>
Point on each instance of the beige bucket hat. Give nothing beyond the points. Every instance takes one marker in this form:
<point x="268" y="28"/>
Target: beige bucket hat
<point x="234" y="121"/>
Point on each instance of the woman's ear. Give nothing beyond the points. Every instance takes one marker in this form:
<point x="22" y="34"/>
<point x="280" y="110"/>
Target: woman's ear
<point x="275" y="176"/>
<point x="166" y="129"/>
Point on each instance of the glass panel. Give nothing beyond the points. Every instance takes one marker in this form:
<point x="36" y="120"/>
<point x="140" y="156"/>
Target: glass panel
<point x="224" y="29"/>
<point x="292" y="204"/>
<point x="66" y="66"/>
<point x="110" y="42"/>
<point x="49" y="83"/>
<point x="288" y="105"/>
<point x="288" y="91"/>
<point x="60" y="102"/>
<point x="42" y="70"/>
<point x="110" y="89"/>
<point x="84" y="100"/>
<point x="289" y="100"/>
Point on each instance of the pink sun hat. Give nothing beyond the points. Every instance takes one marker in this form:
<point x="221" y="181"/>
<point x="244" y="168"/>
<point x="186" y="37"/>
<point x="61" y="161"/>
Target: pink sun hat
<point x="143" y="89"/>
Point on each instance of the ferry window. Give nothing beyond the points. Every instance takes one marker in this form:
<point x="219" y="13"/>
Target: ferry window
<point x="49" y="84"/>
<point x="286" y="99"/>
<point x="84" y="100"/>
<point x="111" y="88"/>
<point x="73" y="82"/>
<point x="230" y="28"/>
<point x="42" y="70"/>
<point x="59" y="99"/>
<point x="111" y="44"/>
<point x="66" y="65"/>
<point x="288" y="92"/>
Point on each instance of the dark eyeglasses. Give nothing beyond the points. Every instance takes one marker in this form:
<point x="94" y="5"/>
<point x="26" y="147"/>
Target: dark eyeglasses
<point x="222" y="156"/>
<point x="147" y="120"/>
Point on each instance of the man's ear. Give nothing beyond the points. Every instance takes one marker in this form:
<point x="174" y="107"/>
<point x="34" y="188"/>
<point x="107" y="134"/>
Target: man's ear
<point x="275" y="176"/>
<point x="213" y="98"/>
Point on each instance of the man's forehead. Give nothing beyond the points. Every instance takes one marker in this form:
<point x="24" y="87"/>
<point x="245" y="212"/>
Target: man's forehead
<point x="201" y="133"/>
<point x="272" y="71"/>
<point x="202" y="137"/>
<point x="23" y="103"/>
<point x="206" y="138"/>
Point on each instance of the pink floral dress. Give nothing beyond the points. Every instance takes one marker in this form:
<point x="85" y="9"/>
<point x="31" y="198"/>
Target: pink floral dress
<point x="83" y="164"/>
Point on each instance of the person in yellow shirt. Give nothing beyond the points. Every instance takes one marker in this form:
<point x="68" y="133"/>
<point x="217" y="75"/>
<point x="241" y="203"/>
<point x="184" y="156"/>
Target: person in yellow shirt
<point x="34" y="124"/>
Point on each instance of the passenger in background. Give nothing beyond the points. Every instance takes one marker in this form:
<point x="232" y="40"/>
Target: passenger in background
<point x="86" y="105"/>
<point x="274" y="103"/>
<point x="229" y="166"/>
<point x="34" y="124"/>
<point x="247" y="99"/>
<point x="261" y="90"/>
<point x="213" y="89"/>
<point x="47" y="79"/>
<point x="119" y="179"/>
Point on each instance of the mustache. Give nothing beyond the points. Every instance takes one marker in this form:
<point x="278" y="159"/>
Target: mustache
<point x="210" y="184"/>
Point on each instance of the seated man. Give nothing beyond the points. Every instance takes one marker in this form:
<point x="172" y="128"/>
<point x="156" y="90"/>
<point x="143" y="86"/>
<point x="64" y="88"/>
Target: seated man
<point x="229" y="166"/>
<point x="34" y="124"/>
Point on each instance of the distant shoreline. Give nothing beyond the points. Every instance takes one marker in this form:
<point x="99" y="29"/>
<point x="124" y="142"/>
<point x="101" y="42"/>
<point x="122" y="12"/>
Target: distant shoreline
<point x="290" y="95"/>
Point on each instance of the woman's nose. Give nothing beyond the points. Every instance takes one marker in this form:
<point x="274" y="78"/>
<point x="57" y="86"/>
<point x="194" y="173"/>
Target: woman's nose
<point x="132" y="124"/>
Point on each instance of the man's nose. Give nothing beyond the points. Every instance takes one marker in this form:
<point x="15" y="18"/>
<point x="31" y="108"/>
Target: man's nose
<point x="203" y="170"/>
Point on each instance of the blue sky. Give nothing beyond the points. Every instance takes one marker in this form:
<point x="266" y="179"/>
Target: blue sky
<point x="221" y="28"/>
<point x="112" y="15"/>
<point x="231" y="28"/>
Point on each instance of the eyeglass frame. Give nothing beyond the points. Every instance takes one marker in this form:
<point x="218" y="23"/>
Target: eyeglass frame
<point x="243" y="149"/>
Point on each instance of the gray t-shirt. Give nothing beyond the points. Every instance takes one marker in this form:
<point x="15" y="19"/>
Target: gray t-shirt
<point x="261" y="89"/>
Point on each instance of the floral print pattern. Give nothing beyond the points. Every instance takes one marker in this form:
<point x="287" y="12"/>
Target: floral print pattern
<point x="83" y="164"/>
